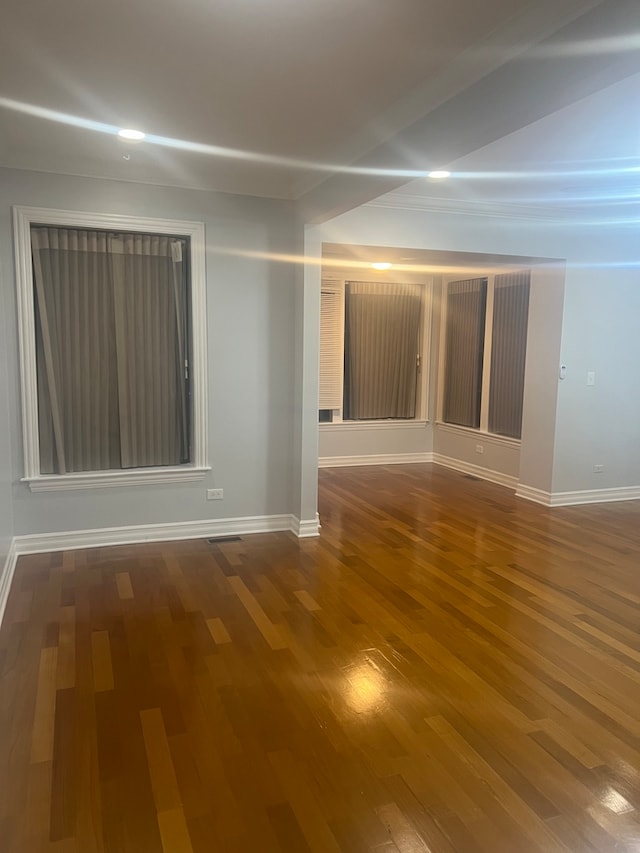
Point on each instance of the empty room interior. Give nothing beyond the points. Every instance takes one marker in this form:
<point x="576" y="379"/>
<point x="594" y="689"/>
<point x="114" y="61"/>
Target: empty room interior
<point x="320" y="427"/>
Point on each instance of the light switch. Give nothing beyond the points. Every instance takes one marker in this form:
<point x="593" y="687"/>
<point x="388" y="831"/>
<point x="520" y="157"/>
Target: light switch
<point x="591" y="377"/>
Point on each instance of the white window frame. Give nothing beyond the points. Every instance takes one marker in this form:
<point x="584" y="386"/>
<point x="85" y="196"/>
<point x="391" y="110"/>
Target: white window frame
<point x="23" y="218"/>
<point x="338" y="282"/>
<point x="483" y="429"/>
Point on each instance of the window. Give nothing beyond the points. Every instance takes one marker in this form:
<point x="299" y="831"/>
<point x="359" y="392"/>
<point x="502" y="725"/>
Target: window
<point x="371" y="336"/>
<point x="485" y="340"/>
<point x="112" y="346"/>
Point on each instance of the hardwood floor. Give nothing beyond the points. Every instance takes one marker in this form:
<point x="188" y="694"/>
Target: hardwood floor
<point x="446" y="668"/>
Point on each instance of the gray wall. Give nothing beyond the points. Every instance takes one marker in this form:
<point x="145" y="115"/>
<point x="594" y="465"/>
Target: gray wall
<point x="353" y="439"/>
<point x="250" y="308"/>
<point x="568" y="427"/>
<point x="600" y="424"/>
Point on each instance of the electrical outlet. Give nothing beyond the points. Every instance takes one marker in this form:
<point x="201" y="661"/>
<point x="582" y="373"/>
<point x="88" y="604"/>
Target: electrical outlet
<point x="598" y="469"/>
<point x="215" y="494"/>
<point x="479" y="448"/>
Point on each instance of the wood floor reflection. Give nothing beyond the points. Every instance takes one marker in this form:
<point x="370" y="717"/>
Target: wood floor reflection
<point x="447" y="668"/>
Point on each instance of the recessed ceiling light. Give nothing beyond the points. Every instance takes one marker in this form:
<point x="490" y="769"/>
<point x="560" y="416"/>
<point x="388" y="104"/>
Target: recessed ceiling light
<point x="439" y="174"/>
<point x="128" y="133"/>
<point x="381" y="265"/>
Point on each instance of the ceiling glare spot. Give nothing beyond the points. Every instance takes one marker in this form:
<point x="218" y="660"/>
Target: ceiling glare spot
<point x="129" y="133"/>
<point x="381" y="265"/>
<point x="439" y="174"/>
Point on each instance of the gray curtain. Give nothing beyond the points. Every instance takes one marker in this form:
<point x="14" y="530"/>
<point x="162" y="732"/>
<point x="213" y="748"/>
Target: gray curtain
<point x="111" y="345"/>
<point x="464" y="350"/>
<point x="508" y="350"/>
<point x="382" y="324"/>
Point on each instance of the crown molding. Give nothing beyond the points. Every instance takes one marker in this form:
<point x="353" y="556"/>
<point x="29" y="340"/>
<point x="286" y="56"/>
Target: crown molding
<point x="429" y="204"/>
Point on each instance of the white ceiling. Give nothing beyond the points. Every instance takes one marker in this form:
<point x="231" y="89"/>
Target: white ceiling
<point x="314" y="81"/>
<point x="583" y="158"/>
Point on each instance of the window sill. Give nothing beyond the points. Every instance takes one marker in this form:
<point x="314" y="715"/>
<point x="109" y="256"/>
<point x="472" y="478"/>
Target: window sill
<point x="114" y="479"/>
<point x="490" y="437"/>
<point x="375" y="425"/>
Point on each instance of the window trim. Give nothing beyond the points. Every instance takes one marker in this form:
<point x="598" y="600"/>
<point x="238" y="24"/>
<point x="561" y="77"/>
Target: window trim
<point x="23" y="218"/>
<point x="387" y="423"/>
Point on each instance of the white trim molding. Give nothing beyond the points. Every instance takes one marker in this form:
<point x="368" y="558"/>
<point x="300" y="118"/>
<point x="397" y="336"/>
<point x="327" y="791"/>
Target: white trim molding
<point x="23" y="218"/>
<point x="398" y="200"/>
<point x="113" y="479"/>
<point x="530" y="493"/>
<point x="587" y="496"/>
<point x="476" y="471"/>
<point x="348" y="426"/>
<point x="305" y="528"/>
<point x="72" y="540"/>
<point x="6" y="577"/>
<point x="373" y="459"/>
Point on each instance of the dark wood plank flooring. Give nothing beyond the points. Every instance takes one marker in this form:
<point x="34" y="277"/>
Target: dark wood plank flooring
<point x="446" y="668"/>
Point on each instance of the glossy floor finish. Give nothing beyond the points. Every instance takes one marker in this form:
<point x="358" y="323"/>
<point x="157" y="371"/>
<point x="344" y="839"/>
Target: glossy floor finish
<point x="446" y="668"/>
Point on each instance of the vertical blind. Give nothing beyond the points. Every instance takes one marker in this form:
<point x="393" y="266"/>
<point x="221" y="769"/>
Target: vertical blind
<point x="331" y="345"/>
<point x="464" y="349"/>
<point x="508" y="350"/>
<point x="382" y="326"/>
<point x="111" y="348"/>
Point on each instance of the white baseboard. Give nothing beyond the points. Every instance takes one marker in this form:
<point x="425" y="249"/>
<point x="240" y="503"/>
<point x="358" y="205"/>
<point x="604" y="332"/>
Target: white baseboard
<point x="74" y="539"/>
<point x="529" y="493"/>
<point x="6" y="576"/>
<point x="476" y="471"/>
<point x="406" y="458"/>
<point x="587" y="496"/>
<point x="306" y="528"/>
<point x="373" y="459"/>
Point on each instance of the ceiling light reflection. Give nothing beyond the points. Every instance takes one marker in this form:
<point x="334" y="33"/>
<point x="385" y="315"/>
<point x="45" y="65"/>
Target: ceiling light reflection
<point x="54" y="115"/>
<point x="307" y="165"/>
<point x="365" y="689"/>
<point x="433" y="267"/>
<point x="589" y="47"/>
<point x="211" y="150"/>
<point x="551" y="174"/>
<point x="133" y="135"/>
<point x="615" y="802"/>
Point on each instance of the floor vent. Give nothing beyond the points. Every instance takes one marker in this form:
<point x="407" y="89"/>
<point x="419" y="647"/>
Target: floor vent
<point x="224" y="539"/>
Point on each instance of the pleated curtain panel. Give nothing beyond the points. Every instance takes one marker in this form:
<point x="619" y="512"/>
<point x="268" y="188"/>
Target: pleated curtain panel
<point x="508" y="351"/>
<point x="466" y="301"/>
<point x="111" y="347"/>
<point x="382" y="325"/>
